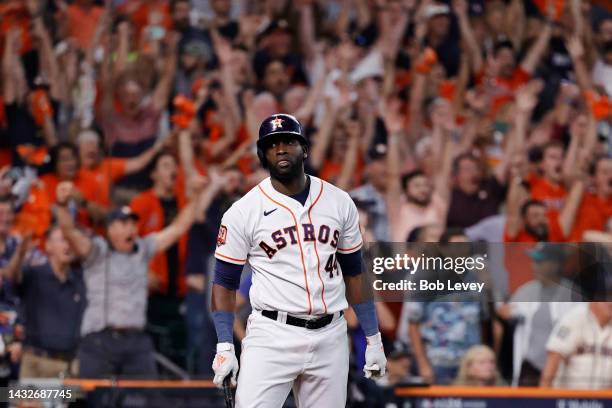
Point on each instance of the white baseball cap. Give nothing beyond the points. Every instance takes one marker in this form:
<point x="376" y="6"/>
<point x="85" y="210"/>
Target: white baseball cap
<point x="436" y="10"/>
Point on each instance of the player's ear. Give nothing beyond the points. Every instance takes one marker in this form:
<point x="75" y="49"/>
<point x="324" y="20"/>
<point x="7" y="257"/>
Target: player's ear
<point x="305" y="151"/>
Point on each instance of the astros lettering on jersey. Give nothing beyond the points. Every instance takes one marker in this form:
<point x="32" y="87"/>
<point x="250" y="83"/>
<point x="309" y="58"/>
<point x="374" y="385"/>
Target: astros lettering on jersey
<point x="292" y="247"/>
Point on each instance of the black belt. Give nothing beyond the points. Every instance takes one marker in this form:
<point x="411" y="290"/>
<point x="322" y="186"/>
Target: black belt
<point x="122" y="331"/>
<point x="296" y="321"/>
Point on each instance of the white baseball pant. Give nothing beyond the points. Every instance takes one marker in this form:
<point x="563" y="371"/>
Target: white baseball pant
<point x="277" y="356"/>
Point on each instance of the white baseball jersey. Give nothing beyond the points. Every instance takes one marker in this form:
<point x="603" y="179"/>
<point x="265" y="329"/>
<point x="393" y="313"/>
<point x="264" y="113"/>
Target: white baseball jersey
<point x="587" y="349"/>
<point x="292" y="247"/>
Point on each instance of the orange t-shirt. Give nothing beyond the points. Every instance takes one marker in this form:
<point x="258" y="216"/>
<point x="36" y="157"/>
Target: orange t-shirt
<point x="592" y="214"/>
<point x="506" y="85"/>
<point x="95" y="183"/>
<point x="511" y="83"/>
<point x="149" y="208"/>
<point x="559" y="6"/>
<point x="82" y="23"/>
<point x="554" y="232"/>
<point x="35" y="214"/>
<point x="6" y="157"/>
<point x="553" y="196"/>
<point x="50" y="182"/>
<point x="150" y="14"/>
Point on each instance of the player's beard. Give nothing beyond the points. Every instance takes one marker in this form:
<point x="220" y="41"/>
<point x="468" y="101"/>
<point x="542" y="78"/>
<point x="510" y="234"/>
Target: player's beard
<point x="294" y="171"/>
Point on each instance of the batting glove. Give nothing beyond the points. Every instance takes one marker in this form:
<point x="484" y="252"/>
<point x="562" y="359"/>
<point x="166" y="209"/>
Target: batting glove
<point x="225" y="363"/>
<point x="375" y="360"/>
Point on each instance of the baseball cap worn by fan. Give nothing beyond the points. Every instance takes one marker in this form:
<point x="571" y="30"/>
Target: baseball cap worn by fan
<point x="197" y="49"/>
<point x="377" y="152"/>
<point x="547" y="252"/>
<point x="121" y="213"/>
<point x="434" y="10"/>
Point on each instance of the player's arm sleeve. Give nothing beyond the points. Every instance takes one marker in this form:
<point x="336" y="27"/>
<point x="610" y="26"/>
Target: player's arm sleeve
<point x="351" y="264"/>
<point x="227" y="274"/>
<point x="366" y="314"/>
<point x="232" y="241"/>
<point x="350" y="238"/>
<point x="245" y="285"/>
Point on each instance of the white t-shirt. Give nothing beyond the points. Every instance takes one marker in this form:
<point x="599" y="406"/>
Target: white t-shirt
<point x="602" y="74"/>
<point x="587" y="349"/>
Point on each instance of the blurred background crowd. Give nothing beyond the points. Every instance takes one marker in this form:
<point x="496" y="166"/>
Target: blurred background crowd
<point x="463" y="120"/>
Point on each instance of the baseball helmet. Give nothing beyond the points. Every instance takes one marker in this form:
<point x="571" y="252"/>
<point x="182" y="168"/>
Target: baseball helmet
<point x="278" y="124"/>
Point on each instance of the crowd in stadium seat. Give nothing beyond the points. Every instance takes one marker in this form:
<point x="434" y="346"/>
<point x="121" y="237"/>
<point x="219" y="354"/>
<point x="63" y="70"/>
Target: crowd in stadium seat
<point x="446" y="121"/>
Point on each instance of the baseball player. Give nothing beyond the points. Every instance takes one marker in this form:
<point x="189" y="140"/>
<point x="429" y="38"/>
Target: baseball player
<point x="301" y="238"/>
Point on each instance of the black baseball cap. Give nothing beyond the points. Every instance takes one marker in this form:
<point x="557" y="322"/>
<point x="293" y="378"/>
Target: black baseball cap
<point x="377" y="152"/>
<point x="503" y="43"/>
<point x="121" y="213"/>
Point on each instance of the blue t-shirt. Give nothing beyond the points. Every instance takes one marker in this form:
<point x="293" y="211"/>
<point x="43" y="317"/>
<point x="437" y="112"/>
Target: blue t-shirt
<point x="53" y="309"/>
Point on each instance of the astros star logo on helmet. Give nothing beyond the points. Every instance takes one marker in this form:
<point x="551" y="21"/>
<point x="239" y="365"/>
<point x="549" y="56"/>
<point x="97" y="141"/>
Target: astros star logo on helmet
<point x="277" y="123"/>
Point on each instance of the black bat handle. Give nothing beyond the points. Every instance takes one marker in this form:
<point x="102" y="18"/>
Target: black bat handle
<point x="227" y="390"/>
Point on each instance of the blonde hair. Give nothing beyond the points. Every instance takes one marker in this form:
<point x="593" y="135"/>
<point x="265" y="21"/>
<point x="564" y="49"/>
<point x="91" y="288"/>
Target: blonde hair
<point x="464" y="378"/>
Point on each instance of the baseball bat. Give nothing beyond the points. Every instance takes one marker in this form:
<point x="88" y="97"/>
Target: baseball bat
<point x="227" y="391"/>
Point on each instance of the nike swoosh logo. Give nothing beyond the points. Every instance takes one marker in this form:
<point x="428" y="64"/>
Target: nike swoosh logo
<point x="266" y="213"/>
